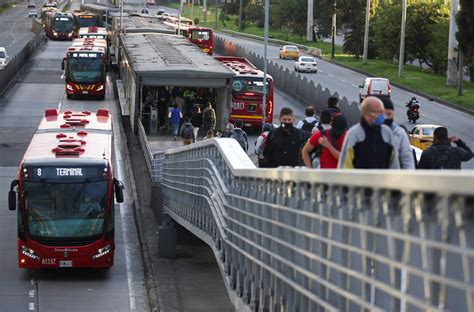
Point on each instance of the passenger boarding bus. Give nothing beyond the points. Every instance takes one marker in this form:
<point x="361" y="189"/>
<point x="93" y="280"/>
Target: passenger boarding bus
<point x="247" y="92"/>
<point x="85" y="67"/>
<point x="59" y="26"/>
<point x="202" y="37"/>
<point x="65" y="193"/>
<point x="84" y="19"/>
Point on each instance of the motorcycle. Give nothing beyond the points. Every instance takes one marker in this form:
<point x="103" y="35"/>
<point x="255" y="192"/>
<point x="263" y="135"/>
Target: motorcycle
<point x="413" y="110"/>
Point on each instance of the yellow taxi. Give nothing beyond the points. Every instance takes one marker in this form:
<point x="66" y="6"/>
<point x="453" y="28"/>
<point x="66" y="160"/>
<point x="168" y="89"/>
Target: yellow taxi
<point x="421" y="136"/>
<point x="289" y="52"/>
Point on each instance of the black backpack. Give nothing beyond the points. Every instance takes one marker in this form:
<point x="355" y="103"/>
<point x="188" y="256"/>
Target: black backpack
<point x="308" y="126"/>
<point x="444" y="160"/>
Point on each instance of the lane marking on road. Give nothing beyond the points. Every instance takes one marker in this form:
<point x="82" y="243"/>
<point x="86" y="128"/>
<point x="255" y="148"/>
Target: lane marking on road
<point x="355" y="86"/>
<point x="60" y="104"/>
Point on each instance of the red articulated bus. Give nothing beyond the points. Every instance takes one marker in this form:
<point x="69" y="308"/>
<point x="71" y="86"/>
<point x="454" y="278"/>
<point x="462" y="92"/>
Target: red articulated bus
<point x="59" y="26"/>
<point x="247" y="92"/>
<point x="65" y="193"/>
<point x="94" y="32"/>
<point x="202" y="37"/>
<point x="85" y="67"/>
<point x="84" y="19"/>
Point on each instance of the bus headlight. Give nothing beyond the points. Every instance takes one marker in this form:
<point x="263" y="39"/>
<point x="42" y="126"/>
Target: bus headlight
<point x="30" y="253"/>
<point x="69" y="35"/>
<point x="69" y="87"/>
<point x="102" y="252"/>
<point x="55" y="33"/>
<point x="100" y="88"/>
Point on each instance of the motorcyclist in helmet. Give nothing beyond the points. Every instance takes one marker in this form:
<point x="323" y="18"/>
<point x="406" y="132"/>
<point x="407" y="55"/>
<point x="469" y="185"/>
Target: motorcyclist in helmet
<point x="413" y="103"/>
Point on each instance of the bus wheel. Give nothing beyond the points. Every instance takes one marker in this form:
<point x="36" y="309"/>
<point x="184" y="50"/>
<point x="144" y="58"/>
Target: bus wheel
<point x="69" y="96"/>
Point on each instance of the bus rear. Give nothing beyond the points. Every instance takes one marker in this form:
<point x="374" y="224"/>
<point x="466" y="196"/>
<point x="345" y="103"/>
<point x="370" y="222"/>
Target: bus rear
<point x="65" y="193"/>
<point x="202" y="37"/>
<point x="83" y="20"/>
<point x="247" y="100"/>
<point x="86" y="70"/>
<point x="247" y="92"/>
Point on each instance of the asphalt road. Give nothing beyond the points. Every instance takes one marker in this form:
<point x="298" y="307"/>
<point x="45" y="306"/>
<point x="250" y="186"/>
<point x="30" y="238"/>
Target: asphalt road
<point x="120" y="288"/>
<point x="15" y="27"/>
<point x="345" y="83"/>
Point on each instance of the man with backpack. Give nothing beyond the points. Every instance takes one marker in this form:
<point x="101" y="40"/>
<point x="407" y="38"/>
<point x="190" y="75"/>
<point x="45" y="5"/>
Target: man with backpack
<point x="209" y="118"/>
<point x="187" y="132"/>
<point x="240" y="135"/>
<point x="442" y="155"/>
<point x="260" y="144"/>
<point x="331" y="141"/>
<point x="309" y="122"/>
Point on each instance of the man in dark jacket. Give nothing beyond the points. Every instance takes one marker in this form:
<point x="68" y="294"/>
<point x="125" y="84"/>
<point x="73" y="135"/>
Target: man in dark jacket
<point x="441" y="155"/>
<point x="283" y="144"/>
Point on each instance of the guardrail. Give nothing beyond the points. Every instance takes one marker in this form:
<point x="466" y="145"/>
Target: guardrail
<point x="290" y="81"/>
<point x="12" y="69"/>
<point x="310" y="240"/>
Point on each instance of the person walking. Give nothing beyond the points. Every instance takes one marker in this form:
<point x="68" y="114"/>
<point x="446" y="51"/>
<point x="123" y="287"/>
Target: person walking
<point x="209" y="118"/>
<point x="333" y="108"/>
<point x="369" y="144"/>
<point x="175" y="117"/>
<point x="187" y="132"/>
<point x="260" y="144"/>
<point x="196" y="120"/>
<point x="400" y="137"/>
<point x="240" y="135"/>
<point x="283" y="144"/>
<point x="442" y="155"/>
<point x="229" y="129"/>
<point x="331" y="141"/>
<point x="309" y="122"/>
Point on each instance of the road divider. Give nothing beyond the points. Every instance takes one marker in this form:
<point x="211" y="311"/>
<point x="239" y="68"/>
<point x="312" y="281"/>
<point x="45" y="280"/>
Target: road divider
<point x="14" y="68"/>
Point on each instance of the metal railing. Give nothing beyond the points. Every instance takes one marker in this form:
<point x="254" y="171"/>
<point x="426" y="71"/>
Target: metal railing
<point x="145" y="147"/>
<point x="312" y="240"/>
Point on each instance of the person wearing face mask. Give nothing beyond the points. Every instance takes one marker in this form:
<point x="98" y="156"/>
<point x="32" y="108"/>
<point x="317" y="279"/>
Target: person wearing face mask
<point x="283" y="144"/>
<point x="369" y="144"/>
<point x="400" y="137"/>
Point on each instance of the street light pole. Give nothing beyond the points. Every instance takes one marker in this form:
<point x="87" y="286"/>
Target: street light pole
<point x="265" y="45"/>
<point x="401" y="58"/>
<point x="333" y="47"/>
<point x="366" y="33"/>
<point x="179" y="16"/>
<point x="215" y="17"/>
<point x="309" y="21"/>
<point x="460" y="59"/>
<point x="240" y="15"/>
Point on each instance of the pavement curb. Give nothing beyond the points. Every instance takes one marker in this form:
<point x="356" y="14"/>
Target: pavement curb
<point x="150" y="283"/>
<point x="429" y="97"/>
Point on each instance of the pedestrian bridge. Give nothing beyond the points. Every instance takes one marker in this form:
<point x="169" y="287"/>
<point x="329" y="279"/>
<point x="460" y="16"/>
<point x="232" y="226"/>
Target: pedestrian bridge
<point x="307" y="240"/>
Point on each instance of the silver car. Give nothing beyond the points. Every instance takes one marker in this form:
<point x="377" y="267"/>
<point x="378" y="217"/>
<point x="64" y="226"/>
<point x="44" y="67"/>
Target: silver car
<point x="306" y="64"/>
<point x="33" y="13"/>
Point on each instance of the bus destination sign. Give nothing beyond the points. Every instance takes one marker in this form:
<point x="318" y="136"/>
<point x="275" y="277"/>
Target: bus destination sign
<point x="66" y="172"/>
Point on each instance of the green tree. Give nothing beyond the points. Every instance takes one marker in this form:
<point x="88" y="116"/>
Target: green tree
<point x="465" y="34"/>
<point x="385" y="31"/>
<point x="292" y="15"/>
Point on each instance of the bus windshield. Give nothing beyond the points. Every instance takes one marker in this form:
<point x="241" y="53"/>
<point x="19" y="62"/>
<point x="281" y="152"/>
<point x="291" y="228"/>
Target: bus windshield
<point x="200" y="35"/>
<point x="85" y="67"/>
<point x="248" y="84"/>
<point x="63" y="24"/>
<point x="74" y="210"/>
<point x="86" y="21"/>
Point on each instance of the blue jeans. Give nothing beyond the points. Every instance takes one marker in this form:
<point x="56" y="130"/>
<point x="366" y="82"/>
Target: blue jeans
<point x="175" y="129"/>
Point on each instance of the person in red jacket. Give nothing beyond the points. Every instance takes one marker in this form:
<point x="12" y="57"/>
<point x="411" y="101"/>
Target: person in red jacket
<point x="331" y="140"/>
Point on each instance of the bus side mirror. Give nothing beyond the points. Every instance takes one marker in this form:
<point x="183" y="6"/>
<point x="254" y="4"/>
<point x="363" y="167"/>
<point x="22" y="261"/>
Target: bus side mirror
<point x="118" y="191"/>
<point x="63" y="64"/>
<point x="12" y="198"/>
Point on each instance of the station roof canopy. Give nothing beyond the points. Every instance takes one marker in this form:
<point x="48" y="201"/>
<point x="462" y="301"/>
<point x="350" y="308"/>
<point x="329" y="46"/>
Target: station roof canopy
<point x="161" y="60"/>
<point x="134" y="23"/>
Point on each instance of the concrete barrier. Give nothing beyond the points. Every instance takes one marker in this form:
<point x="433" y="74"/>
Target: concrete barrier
<point x="293" y="83"/>
<point x="12" y="70"/>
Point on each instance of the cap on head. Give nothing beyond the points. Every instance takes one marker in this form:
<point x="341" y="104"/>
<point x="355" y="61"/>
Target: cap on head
<point x="339" y="122"/>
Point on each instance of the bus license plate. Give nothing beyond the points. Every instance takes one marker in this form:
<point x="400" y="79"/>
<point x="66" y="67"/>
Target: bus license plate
<point x="85" y="92"/>
<point x="65" y="264"/>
